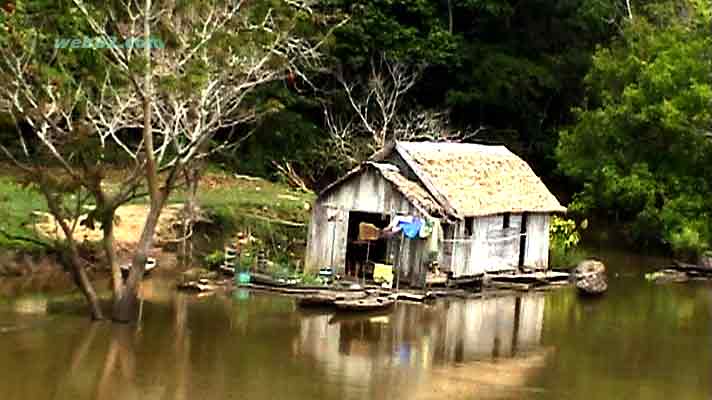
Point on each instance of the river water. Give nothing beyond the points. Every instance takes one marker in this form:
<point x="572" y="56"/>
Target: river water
<point x="640" y="341"/>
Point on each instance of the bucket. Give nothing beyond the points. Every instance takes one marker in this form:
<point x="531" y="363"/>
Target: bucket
<point x="243" y="277"/>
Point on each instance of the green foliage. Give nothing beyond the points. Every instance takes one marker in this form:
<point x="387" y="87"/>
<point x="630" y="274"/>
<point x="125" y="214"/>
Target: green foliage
<point x="514" y="67"/>
<point x="17" y="203"/>
<point x="564" y="238"/>
<point x="641" y="144"/>
<point x="563" y="233"/>
<point x="214" y="259"/>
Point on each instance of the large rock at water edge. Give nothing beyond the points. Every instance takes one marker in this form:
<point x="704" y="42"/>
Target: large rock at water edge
<point x="590" y="276"/>
<point x="706" y="260"/>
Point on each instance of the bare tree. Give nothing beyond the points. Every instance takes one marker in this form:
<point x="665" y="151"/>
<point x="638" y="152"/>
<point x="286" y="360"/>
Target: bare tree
<point x="177" y="96"/>
<point x="376" y="111"/>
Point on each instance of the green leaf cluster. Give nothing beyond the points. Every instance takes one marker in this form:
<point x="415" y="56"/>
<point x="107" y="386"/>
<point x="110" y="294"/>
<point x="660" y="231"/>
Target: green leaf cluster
<point x="642" y="142"/>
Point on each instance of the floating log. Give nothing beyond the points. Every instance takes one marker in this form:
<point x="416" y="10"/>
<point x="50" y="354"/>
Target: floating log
<point x="523" y="287"/>
<point x="367" y="304"/>
<point x="408" y="296"/>
<point x="590" y="276"/>
<point x="691" y="267"/>
<point x="668" y="275"/>
<point x="267" y="280"/>
<point x="469" y="281"/>
<point x="328" y="298"/>
<point x="286" y="290"/>
<point x="202" y="285"/>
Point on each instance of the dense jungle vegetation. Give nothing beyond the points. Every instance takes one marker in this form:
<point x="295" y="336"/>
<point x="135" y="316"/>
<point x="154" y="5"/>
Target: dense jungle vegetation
<point x="609" y="100"/>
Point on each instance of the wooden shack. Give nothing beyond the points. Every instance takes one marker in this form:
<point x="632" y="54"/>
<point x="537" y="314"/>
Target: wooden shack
<point x="490" y="210"/>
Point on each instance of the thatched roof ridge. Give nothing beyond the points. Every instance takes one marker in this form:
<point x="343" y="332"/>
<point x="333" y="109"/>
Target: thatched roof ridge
<point x="478" y="180"/>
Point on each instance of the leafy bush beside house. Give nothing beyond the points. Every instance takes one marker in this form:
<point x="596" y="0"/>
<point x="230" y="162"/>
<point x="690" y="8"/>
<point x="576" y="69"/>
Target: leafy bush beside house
<point x="564" y="238"/>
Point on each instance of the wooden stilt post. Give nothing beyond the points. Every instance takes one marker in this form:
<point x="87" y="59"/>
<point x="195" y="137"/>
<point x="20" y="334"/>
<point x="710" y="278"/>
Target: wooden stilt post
<point x="400" y="260"/>
<point x="363" y="267"/>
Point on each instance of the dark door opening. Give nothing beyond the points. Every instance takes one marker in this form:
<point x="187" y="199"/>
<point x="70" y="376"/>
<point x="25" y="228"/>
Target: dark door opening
<point x="523" y="240"/>
<point x="357" y="251"/>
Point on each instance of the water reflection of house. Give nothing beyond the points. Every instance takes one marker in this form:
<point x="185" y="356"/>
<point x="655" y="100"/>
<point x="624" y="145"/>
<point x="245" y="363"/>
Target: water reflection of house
<point x="493" y="210"/>
<point x="417" y="338"/>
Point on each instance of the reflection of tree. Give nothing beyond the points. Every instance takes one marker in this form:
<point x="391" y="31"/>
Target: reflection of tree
<point x="181" y="346"/>
<point x="120" y="358"/>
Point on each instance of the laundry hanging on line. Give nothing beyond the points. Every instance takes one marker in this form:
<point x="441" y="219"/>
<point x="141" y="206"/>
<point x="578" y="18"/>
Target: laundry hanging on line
<point x="409" y="225"/>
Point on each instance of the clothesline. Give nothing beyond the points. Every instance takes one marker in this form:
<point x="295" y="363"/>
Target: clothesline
<point x="498" y="240"/>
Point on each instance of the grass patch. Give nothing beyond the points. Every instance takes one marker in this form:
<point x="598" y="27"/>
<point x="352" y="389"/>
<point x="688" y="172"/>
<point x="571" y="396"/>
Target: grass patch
<point x="272" y="212"/>
<point x="566" y="259"/>
<point x="17" y="203"/>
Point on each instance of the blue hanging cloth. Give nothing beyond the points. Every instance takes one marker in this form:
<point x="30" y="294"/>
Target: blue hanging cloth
<point x="411" y="229"/>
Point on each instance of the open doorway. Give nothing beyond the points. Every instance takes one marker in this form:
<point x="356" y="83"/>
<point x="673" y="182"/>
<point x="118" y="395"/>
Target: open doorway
<point x="359" y="252"/>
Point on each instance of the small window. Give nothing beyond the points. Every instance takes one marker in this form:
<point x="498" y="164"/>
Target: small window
<point x="505" y="223"/>
<point x="469" y="225"/>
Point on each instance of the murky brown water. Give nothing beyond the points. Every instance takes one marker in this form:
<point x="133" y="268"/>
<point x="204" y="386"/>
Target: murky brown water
<point x="639" y="342"/>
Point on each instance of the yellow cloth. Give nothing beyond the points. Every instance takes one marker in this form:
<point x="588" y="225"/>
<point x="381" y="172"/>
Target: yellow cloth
<point x="383" y="273"/>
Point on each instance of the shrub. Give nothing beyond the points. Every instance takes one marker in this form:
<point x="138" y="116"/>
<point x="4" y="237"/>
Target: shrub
<point x="564" y="238"/>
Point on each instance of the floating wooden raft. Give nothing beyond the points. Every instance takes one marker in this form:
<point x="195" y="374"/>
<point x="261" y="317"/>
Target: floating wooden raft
<point x="367" y="304"/>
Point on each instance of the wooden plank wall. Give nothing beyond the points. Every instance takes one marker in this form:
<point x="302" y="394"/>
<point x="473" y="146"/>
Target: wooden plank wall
<point x="536" y="254"/>
<point x="491" y="248"/>
<point x="364" y="192"/>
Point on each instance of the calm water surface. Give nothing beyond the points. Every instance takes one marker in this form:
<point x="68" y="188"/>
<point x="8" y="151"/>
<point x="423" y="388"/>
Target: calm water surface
<point x="640" y="341"/>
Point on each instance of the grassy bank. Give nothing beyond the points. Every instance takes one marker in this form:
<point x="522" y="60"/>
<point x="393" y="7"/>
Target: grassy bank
<point x="271" y="212"/>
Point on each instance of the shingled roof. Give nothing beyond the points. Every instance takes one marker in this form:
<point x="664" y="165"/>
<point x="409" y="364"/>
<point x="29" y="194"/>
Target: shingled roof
<point x="478" y="180"/>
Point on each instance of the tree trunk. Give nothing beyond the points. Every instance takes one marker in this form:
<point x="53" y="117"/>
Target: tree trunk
<point x="192" y="176"/>
<point x="71" y="256"/>
<point x="126" y="302"/>
<point x="108" y="244"/>
<point x="82" y="280"/>
<point x="449" y="13"/>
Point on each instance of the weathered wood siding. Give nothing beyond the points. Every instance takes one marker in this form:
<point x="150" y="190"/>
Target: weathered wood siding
<point x="488" y="248"/>
<point x="536" y="254"/>
<point x="364" y="192"/>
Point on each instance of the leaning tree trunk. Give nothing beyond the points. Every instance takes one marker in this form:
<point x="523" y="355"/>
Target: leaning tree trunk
<point x="81" y="279"/>
<point x="71" y="258"/>
<point x="126" y="300"/>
